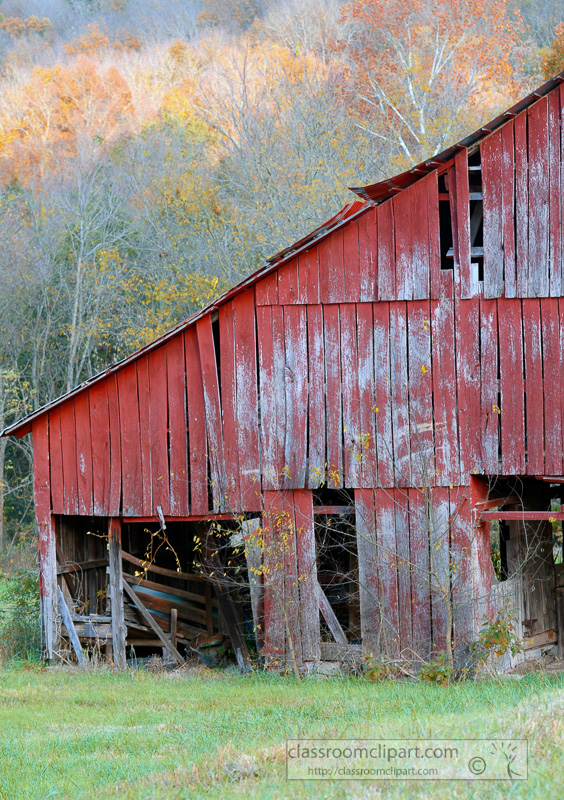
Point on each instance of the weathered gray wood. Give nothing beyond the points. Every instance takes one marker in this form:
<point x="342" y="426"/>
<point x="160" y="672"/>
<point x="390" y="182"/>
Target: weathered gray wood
<point x="254" y="562"/>
<point x="69" y="625"/>
<point x="330" y="618"/>
<point x="119" y="630"/>
<point x="64" y="568"/>
<point x="148" y="619"/>
<point x="170" y="573"/>
<point x="173" y="625"/>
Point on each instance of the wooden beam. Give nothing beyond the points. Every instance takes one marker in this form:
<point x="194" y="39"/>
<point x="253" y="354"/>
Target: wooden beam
<point x="64" y="569"/>
<point x="171" y="573"/>
<point x="329" y="616"/>
<point x="148" y="619"/>
<point x="69" y="625"/>
<point x="193" y="518"/>
<point x="161" y="587"/>
<point x="523" y="516"/>
<point x="494" y="502"/>
<point x="334" y="511"/>
<point x="119" y="631"/>
<point x="173" y="625"/>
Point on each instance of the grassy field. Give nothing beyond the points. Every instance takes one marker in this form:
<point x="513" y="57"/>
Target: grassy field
<point x="209" y="735"/>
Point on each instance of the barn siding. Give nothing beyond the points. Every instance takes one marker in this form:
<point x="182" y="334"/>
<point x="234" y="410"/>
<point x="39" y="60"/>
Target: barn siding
<point x="356" y="395"/>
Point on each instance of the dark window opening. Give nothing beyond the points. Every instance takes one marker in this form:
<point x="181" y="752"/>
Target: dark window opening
<point x="476" y="217"/>
<point x="445" y="224"/>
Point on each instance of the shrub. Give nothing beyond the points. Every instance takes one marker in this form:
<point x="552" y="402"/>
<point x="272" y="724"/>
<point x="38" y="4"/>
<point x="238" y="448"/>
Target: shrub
<point x="19" y="614"/>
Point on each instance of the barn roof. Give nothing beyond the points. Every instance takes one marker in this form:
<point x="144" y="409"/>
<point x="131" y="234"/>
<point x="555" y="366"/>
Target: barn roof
<point x="373" y="194"/>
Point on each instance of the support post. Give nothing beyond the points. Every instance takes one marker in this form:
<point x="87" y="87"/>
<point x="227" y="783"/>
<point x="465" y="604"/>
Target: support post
<point x="116" y="592"/>
<point x="45" y="536"/>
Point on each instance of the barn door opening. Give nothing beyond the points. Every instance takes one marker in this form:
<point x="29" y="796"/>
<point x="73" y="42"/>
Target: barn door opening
<point x="525" y="519"/>
<point x="337" y="575"/>
<point x="166" y="571"/>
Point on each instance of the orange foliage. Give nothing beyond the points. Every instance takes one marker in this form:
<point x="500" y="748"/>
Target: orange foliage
<point x="430" y="71"/>
<point x="95" y="41"/>
<point x="15" y="26"/>
<point x="59" y="107"/>
<point x="481" y="34"/>
<point x="553" y="61"/>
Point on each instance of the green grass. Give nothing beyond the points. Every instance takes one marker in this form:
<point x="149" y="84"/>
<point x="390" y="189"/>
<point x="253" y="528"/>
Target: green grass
<point x="140" y="735"/>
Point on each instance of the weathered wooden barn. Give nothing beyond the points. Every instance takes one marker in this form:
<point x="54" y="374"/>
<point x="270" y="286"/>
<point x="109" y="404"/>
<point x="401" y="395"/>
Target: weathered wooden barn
<point x="391" y="388"/>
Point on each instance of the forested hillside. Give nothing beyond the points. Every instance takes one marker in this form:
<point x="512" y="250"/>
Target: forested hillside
<point x="153" y="152"/>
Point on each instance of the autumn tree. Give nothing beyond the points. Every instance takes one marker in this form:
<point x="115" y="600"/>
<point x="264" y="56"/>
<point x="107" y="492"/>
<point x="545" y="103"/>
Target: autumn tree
<point x="424" y="74"/>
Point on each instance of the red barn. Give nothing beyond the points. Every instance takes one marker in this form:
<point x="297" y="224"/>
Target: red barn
<point x="374" y="396"/>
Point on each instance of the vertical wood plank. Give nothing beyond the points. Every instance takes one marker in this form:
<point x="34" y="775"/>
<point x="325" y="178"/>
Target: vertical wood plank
<point x="552" y="394"/>
<point x="533" y="387"/>
<point x="438" y="522"/>
<point x="266" y="290"/>
<point x="268" y="422"/>
<point x="307" y="575"/>
<point x="367" y="400"/>
<point x="462" y="201"/>
<point x="539" y="216"/>
<point x="177" y="425"/>
<point x="229" y="399"/>
<point x="308" y="269"/>
<point x="119" y="631"/>
<point x="279" y="362"/>
<point x="383" y="395"/>
<point x="386" y="252"/>
<point x="491" y="154"/>
<point x="508" y="208"/>
<point x="212" y="405"/>
<point x="333" y="397"/>
<point x="432" y="185"/>
<point x="420" y="589"/>
<point x="351" y="258"/>
<point x="351" y="401"/>
<point x="403" y="229"/>
<point x="462" y="572"/>
<point x="399" y="389"/>
<point x="130" y="441"/>
<point x="83" y="453"/>
<point x="489" y="395"/>
<point x="143" y="391"/>
<point x="420" y="262"/>
<point x="467" y="316"/>
<point x="158" y="430"/>
<point x="274" y="629"/>
<point x="100" y="431"/>
<point x="45" y="534"/>
<point x="296" y="378"/>
<point x="197" y="440"/>
<point x="332" y="267"/>
<point x="420" y="393"/>
<point x="399" y="522"/>
<point x="521" y="205"/>
<point x="56" y="462"/>
<point x="68" y="441"/>
<point x="368" y="255"/>
<point x="511" y="387"/>
<point x="286" y="526"/>
<point x="288" y="290"/>
<point x="555" y="198"/>
<point x="316" y="401"/>
<point x="115" y="448"/>
<point x="367" y="550"/>
<point x="247" y="401"/>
